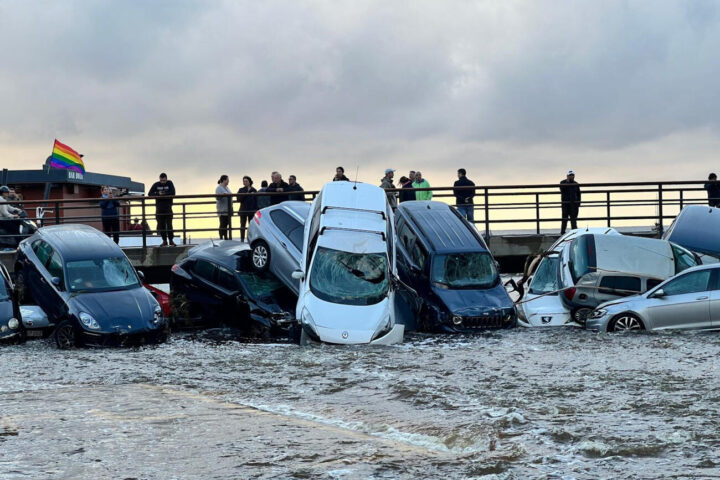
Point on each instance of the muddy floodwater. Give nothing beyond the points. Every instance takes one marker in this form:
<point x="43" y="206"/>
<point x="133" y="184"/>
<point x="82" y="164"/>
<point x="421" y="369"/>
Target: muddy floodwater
<point x="561" y="403"/>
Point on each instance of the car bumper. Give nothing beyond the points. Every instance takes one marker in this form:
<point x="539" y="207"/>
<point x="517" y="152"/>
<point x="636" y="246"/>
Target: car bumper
<point x="122" y="339"/>
<point x="394" y="336"/>
<point x="599" y="324"/>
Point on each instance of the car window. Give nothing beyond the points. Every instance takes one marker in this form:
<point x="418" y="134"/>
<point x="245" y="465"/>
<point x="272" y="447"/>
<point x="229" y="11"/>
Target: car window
<point x="43" y="251"/>
<point x="582" y="256"/>
<point x="620" y="285"/>
<point x="405" y="236"/>
<point x="684" y="259"/>
<point x="283" y="221"/>
<point x="652" y="283"/>
<point x="261" y="284"/>
<point x="55" y="266"/>
<point x="296" y="237"/>
<point x="226" y="279"/>
<point x="418" y="254"/>
<point x="204" y="269"/>
<point x="101" y="274"/>
<point x="690" y="283"/>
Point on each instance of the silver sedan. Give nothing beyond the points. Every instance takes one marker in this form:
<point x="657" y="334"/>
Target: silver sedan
<point x="689" y="300"/>
<point x="275" y="236"/>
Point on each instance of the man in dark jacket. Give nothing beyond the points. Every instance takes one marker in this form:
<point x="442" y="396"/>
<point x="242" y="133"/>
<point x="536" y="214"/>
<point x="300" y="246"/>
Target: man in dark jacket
<point x="713" y="189"/>
<point x="570" y="197"/>
<point x="464" y="196"/>
<point x="407" y="193"/>
<point x="340" y="175"/>
<point x="277" y="186"/>
<point x="293" y="186"/>
<point x="110" y="214"/>
<point x="164" y="190"/>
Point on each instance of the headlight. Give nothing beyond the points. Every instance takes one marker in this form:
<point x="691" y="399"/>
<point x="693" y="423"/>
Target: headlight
<point x="598" y="313"/>
<point x="157" y="314"/>
<point x="457" y="319"/>
<point x="13" y="323"/>
<point x="88" y="321"/>
<point x="3" y="329"/>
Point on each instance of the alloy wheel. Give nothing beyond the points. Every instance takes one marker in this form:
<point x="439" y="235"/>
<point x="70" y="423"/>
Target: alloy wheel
<point x="626" y="323"/>
<point x="65" y="337"/>
<point x="259" y="256"/>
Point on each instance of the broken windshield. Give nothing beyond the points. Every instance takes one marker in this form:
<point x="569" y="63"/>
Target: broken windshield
<point x="101" y="274"/>
<point x="464" y="270"/>
<point x="545" y="279"/>
<point x="349" y="278"/>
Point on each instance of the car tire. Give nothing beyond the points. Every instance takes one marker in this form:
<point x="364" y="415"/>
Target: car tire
<point x="581" y="314"/>
<point x="65" y="335"/>
<point x="260" y="256"/>
<point x="626" y="322"/>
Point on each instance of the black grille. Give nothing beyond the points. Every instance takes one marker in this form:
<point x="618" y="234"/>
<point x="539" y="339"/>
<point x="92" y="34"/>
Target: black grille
<point x="483" y="321"/>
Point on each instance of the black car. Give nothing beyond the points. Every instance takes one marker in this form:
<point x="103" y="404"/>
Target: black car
<point x="216" y="285"/>
<point x="444" y="259"/>
<point x="11" y="327"/>
<point x="86" y="285"/>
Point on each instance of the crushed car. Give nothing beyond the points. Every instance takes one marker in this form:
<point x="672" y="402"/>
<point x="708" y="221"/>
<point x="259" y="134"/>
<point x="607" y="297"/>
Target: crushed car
<point x="444" y="259"/>
<point x="88" y="289"/>
<point x="697" y="228"/>
<point x="215" y="285"/>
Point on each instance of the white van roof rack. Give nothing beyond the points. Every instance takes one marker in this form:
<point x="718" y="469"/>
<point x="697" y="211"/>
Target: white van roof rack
<point x="382" y="234"/>
<point x="330" y="207"/>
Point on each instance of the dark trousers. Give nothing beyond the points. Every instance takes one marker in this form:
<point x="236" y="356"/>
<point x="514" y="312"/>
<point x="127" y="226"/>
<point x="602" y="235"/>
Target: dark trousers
<point x="224" y="226"/>
<point x="165" y="226"/>
<point x="714" y="202"/>
<point x="111" y="226"/>
<point x="569" y="211"/>
<point x="245" y="219"/>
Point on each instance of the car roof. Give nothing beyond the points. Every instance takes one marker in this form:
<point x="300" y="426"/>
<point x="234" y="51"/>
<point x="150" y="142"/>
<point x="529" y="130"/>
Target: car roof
<point x="572" y="234"/>
<point x="351" y="195"/>
<point x="223" y="252"/>
<point x="78" y="242"/>
<point x="299" y="209"/>
<point x="441" y="227"/>
<point x="634" y="255"/>
<point x="696" y="228"/>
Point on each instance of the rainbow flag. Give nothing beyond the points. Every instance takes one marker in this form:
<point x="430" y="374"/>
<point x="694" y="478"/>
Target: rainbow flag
<point x="67" y="158"/>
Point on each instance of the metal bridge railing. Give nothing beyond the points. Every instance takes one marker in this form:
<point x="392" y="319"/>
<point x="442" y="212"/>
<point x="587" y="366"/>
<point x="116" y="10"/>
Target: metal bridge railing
<point x="532" y="208"/>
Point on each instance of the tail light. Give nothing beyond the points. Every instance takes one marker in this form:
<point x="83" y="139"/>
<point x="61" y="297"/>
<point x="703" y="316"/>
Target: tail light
<point x="570" y="292"/>
<point x="257" y="217"/>
<point x="175" y="268"/>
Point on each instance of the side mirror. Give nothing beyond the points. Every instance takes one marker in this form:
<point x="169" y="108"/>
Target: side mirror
<point x="141" y="275"/>
<point x="659" y="293"/>
<point x="56" y="281"/>
<point x="298" y="274"/>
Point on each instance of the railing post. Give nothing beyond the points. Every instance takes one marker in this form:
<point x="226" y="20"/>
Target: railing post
<point x="537" y="213"/>
<point x="230" y="215"/>
<point x="681" y="198"/>
<point x="660" y="208"/>
<point x="487" y="213"/>
<point x="607" y="203"/>
<point x="144" y="222"/>
<point x="57" y="213"/>
<point x="184" y="225"/>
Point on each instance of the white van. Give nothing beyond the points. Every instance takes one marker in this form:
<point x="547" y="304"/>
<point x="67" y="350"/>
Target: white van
<point x="348" y="271"/>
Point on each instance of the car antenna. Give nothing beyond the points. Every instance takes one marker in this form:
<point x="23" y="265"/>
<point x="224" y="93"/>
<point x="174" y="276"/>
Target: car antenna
<point x="212" y="241"/>
<point x="357" y="170"/>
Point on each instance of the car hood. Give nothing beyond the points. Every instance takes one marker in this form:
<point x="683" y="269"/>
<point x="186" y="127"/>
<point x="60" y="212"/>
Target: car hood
<point x="6" y="311"/>
<point x="347" y="324"/>
<point x="121" y="310"/>
<point x="474" y="302"/>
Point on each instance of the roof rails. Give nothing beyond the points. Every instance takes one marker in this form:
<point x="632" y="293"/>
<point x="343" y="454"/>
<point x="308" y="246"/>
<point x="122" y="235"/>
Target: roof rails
<point x="382" y="234"/>
<point x="330" y="207"/>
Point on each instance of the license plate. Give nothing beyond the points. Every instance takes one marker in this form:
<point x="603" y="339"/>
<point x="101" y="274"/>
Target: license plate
<point x="34" y="333"/>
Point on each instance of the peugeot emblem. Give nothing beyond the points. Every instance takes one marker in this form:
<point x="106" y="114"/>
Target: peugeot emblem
<point x="546" y="319"/>
<point x="345" y="334"/>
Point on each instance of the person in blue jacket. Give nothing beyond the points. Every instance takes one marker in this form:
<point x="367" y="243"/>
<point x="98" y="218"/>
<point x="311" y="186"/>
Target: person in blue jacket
<point x="110" y="214"/>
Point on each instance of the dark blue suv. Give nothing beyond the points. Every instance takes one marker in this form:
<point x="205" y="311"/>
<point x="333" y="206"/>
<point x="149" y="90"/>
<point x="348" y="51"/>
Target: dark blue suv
<point x="446" y="261"/>
<point x="87" y="287"/>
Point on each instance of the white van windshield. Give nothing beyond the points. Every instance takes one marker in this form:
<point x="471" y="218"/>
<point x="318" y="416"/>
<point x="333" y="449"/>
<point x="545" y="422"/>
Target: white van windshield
<point x="101" y="274"/>
<point x="464" y="270"/>
<point x="349" y="278"/>
<point x="545" y="279"/>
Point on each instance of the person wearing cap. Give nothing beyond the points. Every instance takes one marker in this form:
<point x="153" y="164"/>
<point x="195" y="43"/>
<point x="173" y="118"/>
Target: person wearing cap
<point x="570" y="197"/>
<point x="387" y="183"/>
<point x="713" y="189"/>
<point x="7" y="212"/>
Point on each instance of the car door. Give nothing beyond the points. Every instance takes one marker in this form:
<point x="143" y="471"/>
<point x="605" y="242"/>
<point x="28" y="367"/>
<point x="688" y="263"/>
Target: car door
<point x="405" y="240"/>
<point x="289" y="236"/>
<point x="203" y="294"/>
<point x="228" y="287"/>
<point x="715" y="298"/>
<point x="685" y="303"/>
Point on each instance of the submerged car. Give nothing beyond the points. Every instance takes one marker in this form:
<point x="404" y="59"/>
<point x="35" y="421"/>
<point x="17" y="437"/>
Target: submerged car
<point x="11" y="327"/>
<point x="275" y="235"/>
<point x="216" y="285"/>
<point x="87" y="287"/>
<point x="689" y="300"/>
<point x="444" y="259"/>
<point x="697" y="228"/>
<point x="348" y="271"/>
<point x="540" y="305"/>
<point x="598" y="268"/>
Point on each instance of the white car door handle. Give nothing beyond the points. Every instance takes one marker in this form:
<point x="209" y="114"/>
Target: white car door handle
<point x="701" y="298"/>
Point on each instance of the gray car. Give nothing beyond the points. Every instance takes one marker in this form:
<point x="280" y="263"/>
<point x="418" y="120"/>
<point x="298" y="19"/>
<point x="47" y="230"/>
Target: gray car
<point x="690" y="300"/>
<point x="275" y="236"/>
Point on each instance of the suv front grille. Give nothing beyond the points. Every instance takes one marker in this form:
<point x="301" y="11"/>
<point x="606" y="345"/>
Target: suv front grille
<point x="482" y="321"/>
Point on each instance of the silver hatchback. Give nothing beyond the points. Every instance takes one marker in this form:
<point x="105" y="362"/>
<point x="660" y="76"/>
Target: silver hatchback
<point x="690" y="300"/>
<point x="275" y="236"/>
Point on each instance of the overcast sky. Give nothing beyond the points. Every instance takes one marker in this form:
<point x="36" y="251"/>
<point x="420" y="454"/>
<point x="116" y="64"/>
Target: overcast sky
<point x="513" y="91"/>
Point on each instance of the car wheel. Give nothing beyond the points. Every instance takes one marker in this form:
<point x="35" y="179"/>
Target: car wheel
<point x="580" y="315"/>
<point x="65" y="335"/>
<point x="260" y="256"/>
<point x="626" y="322"/>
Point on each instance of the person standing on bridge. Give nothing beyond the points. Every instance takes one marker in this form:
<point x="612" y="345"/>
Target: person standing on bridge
<point x="164" y="190"/>
<point x="570" y="198"/>
<point x="277" y="186"/>
<point x="387" y="183"/>
<point x="713" y="189"/>
<point x="293" y="186"/>
<point x="464" y="196"/>
<point x="248" y="204"/>
<point x="420" y="182"/>
<point x="223" y="206"/>
<point x="340" y="175"/>
<point x="407" y="193"/>
<point x="110" y="214"/>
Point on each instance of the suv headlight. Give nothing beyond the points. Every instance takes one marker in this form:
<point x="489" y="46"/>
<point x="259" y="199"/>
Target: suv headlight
<point x="13" y="323"/>
<point x="157" y="314"/>
<point x="598" y="313"/>
<point x="88" y="321"/>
